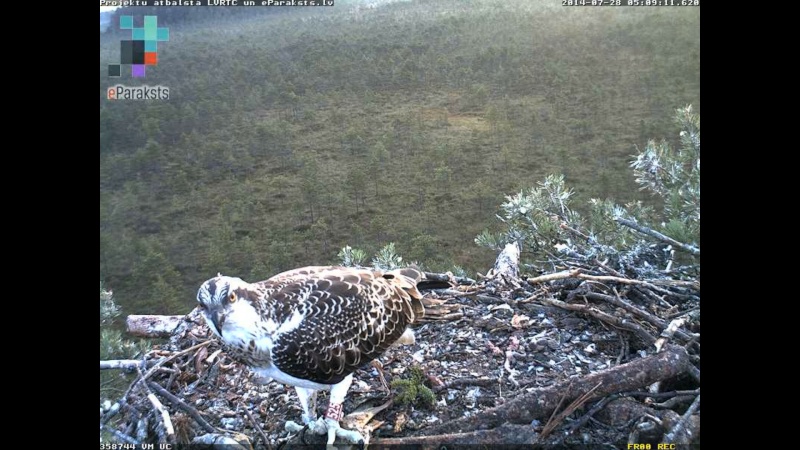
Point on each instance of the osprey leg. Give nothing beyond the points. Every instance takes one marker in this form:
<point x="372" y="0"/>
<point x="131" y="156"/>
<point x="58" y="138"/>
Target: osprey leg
<point x="308" y="400"/>
<point x="335" y="413"/>
<point x="330" y="423"/>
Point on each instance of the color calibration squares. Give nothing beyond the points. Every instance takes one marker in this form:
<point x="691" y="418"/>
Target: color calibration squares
<point x="142" y="49"/>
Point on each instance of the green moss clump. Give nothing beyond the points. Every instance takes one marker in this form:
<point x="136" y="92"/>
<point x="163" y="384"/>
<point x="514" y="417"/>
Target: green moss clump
<point x="413" y="390"/>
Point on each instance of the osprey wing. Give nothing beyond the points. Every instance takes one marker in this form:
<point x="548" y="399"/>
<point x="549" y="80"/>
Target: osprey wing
<point x="336" y="319"/>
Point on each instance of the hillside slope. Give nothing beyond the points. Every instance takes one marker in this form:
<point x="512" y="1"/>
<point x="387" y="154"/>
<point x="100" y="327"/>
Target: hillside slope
<point x="291" y="135"/>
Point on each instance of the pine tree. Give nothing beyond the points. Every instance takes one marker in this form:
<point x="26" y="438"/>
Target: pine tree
<point x="632" y="238"/>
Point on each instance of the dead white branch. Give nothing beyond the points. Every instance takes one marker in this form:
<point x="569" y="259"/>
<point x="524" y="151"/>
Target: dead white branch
<point x="554" y="276"/>
<point x="667" y="334"/>
<point x="128" y="365"/>
<point x="152" y="326"/>
<point x="506" y="266"/>
<point x="217" y="441"/>
<point x="164" y="414"/>
<point x="576" y="273"/>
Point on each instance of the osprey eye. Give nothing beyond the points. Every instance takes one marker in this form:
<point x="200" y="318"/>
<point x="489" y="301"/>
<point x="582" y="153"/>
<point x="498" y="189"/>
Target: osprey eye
<point x="232" y="297"/>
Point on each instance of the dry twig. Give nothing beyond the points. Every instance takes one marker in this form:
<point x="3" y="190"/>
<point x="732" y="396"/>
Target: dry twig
<point x="556" y="419"/>
<point x="680" y="433"/>
<point x="256" y="426"/>
<point x="121" y="436"/>
<point x="182" y="405"/>
<point x="667" y="334"/>
<point x="604" y="317"/>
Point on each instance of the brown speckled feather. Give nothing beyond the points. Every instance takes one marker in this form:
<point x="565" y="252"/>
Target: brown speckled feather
<point x="349" y="317"/>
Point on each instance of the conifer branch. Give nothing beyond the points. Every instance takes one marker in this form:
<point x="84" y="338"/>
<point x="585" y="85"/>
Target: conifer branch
<point x="661" y="237"/>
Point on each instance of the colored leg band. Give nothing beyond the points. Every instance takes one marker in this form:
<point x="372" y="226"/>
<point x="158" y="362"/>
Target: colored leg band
<point x="334" y="412"/>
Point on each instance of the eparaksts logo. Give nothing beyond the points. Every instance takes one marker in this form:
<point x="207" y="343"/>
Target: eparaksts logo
<point x="143" y="92"/>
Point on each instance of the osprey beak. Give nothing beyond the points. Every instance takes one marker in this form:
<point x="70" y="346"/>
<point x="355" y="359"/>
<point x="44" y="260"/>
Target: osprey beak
<point x="216" y="320"/>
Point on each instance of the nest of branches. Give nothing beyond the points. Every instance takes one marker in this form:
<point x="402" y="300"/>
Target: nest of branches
<point x="582" y="356"/>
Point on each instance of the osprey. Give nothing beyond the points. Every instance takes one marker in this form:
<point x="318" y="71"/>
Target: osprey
<point x="313" y="327"/>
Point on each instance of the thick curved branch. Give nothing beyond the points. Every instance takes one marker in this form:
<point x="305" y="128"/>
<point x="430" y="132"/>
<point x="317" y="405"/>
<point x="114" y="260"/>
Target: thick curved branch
<point x="503" y="435"/>
<point x="542" y="402"/>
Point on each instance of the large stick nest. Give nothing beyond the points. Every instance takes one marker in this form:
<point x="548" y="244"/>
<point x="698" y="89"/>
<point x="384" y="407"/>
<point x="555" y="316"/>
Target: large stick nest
<point x="578" y="357"/>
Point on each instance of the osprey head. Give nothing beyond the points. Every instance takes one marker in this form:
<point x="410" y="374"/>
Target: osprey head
<point x="226" y="303"/>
